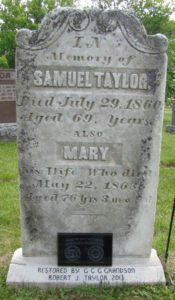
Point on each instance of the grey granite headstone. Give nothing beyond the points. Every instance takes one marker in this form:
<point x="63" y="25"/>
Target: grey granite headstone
<point x="7" y="105"/>
<point x="90" y="97"/>
<point x="7" y="85"/>
<point x="7" y="132"/>
<point x="171" y="128"/>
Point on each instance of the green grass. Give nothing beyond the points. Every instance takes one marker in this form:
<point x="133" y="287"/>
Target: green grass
<point x="9" y="203"/>
<point x="166" y="190"/>
<point x="85" y="293"/>
<point x="10" y="233"/>
<point x="168" y="142"/>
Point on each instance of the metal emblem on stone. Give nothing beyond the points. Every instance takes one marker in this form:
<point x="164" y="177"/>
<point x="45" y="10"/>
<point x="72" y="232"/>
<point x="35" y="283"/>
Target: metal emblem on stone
<point x="90" y="99"/>
<point x="85" y="249"/>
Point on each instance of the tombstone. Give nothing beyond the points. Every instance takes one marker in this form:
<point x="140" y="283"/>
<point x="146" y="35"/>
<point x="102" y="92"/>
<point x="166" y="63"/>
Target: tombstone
<point x="7" y="105"/>
<point x="171" y="128"/>
<point x="90" y="97"/>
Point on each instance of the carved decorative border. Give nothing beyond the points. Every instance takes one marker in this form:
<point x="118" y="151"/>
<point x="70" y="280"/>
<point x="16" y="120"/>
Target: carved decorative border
<point x="55" y="23"/>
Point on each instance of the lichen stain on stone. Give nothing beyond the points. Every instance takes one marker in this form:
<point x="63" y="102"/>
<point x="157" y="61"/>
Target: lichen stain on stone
<point x="154" y="77"/>
<point x="33" y="224"/>
<point x="27" y="142"/>
<point x="107" y="22"/>
<point x="48" y="27"/>
<point x="146" y="149"/>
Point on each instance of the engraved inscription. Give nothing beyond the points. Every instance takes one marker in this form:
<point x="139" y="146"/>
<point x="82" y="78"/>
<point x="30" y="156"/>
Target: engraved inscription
<point x="90" y="152"/>
<point x="86" y="133"/>
<point x="85" y="153"/>
<point x="81" y="109"/>
<point x="88" y="274"/>
<point x="74" y="58"/>
<point x="87" y="42"/>
<point x="83" y="103"/>
<point x="90" y="103"/>
<point x="7" y="85"/>
<point x="89" y="79"/>
<point x="37" y="119"/>
<point x="61" y="185"/>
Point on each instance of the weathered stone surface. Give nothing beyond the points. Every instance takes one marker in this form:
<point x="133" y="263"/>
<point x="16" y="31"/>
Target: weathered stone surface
<point x="90" y="89"/>
<point x="7" y="132"/>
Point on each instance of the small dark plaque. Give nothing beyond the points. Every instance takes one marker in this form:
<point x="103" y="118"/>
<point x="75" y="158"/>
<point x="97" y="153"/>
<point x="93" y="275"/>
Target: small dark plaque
<point x="84" y="249"/>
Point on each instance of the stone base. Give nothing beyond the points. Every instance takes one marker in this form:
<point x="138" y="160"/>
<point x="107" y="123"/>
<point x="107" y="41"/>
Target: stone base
<point x="7" y="132"/>
<point x="44" y="272"/>
<point x="170" y="129"/>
